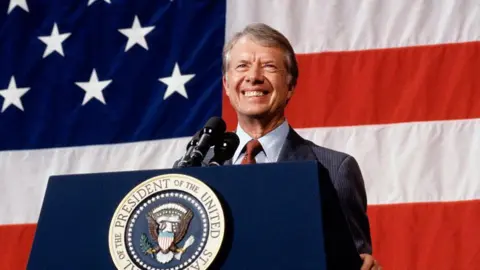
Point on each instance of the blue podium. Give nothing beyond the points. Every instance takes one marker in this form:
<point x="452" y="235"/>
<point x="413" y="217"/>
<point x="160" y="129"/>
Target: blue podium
<point x="273" y="216"/>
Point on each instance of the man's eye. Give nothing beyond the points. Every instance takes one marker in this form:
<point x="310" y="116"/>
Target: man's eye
<point x="241" y="65"/>
<point x="270" y="67"/>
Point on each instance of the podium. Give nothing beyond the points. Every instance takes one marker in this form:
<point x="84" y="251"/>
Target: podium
<point x="275" y="216"/>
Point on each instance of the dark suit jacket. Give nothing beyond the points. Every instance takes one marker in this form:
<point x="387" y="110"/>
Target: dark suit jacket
<point x="341" y="181"/>
<point x="344" y="173"/>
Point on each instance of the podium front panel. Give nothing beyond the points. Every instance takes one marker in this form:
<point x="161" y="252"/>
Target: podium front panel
<point x="272" y="213"/>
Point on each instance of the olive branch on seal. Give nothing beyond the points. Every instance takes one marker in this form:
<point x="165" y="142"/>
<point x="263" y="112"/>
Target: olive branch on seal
<point x="146" y="246"/>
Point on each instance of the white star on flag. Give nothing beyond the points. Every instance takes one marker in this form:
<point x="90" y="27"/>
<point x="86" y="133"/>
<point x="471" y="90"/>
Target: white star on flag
<point x="93" y="1"/>
<point x="93" y="88"/>
<point x="12" y="95"/>
<point x="17" y="3"/>
<point x="176" y="82"/>
<point x="136" y="34"/>
<point x="54" y="41"/>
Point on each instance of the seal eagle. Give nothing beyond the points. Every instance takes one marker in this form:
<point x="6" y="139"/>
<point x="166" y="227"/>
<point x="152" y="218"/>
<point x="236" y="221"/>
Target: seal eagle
<point x="168" y="224"/>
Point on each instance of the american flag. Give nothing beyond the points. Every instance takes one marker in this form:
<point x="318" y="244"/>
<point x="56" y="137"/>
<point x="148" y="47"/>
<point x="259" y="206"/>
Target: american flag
<point x="113" y="85"/>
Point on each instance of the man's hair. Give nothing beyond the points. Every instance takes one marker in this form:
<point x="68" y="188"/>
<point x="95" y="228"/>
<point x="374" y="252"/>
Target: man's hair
<point x="265" y="36"/>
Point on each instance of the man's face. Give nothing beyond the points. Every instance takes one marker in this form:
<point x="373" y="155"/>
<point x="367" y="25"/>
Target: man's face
<point x="257" y="80"/>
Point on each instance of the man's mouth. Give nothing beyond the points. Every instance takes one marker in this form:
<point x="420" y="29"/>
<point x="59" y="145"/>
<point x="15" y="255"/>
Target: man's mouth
<point x="254" y="93"/>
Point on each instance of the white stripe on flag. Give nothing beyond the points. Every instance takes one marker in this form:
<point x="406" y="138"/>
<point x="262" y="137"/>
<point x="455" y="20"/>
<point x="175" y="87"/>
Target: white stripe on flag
<point x="414" y="162"/>
<point x="324" y="25"/>
<point x="24" y="174"/>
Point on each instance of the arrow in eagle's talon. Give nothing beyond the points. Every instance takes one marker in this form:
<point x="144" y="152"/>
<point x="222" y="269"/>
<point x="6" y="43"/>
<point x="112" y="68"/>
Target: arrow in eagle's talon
<point x="188" y="243"/>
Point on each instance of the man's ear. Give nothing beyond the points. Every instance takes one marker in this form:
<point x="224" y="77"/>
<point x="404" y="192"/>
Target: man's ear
<point x="291" y="87"/>
<point x="225" y="84"/>
<point x="290" y="92"/>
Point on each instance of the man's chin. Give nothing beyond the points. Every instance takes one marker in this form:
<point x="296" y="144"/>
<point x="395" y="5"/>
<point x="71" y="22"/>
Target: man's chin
<point x="257" y="115"/>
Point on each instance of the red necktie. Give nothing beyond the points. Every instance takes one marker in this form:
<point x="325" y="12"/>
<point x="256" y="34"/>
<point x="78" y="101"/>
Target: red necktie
<point x="253" y="148"/>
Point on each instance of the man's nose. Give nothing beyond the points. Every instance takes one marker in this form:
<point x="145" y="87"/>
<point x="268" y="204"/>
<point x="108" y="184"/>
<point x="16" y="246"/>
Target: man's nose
<point x="255" y="75"/>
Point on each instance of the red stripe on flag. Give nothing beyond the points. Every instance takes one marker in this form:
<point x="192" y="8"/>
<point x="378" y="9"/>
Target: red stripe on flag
<point x="425" y="83"/>
<point x="15" y="244"/>
<point x="427" y="235"/>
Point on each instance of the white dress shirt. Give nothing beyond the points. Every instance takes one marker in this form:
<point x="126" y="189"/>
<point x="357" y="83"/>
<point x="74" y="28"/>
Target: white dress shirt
<point x="271" y="142"/>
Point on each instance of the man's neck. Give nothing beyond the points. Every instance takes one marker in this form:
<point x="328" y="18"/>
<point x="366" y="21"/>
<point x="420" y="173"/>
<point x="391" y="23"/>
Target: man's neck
<point x="258" y="127"/>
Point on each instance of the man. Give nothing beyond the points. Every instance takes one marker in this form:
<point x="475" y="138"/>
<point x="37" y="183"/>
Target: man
<point x="259" y="76"/>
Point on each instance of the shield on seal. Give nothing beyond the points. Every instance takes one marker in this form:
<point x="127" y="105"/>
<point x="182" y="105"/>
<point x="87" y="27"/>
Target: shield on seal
<point x="165" y="240"/>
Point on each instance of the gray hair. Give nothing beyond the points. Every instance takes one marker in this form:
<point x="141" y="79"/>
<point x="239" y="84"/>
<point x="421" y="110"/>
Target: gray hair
<point x="265" y="36"/>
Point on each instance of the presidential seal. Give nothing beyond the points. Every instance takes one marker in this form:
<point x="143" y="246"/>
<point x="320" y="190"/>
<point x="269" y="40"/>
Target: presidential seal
<point x="168" y="222"/>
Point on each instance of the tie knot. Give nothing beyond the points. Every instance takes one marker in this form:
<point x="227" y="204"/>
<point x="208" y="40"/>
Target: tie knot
<point x="253" y="148"/>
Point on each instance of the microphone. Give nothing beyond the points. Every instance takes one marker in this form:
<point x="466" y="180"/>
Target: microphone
<point x="225" y="149"/>
<point x="209" y="135"/>
<point x="190" y="146"/>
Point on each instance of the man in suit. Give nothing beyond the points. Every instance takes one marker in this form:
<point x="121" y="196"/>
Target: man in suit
<point x="259" y="76"/>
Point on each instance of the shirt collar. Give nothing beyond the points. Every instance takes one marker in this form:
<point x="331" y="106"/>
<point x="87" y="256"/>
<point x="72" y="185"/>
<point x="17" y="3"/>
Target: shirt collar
<point x="271" y="142"/>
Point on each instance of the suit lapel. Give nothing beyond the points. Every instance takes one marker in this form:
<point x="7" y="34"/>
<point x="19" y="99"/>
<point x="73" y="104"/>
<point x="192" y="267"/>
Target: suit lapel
<point x="295" y="148"/>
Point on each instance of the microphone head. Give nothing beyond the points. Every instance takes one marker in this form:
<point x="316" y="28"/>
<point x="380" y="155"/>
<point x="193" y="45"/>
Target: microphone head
<point x="225" y="149"/>
<point x="215" y="126"/>
<point x="210" y="134"/>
